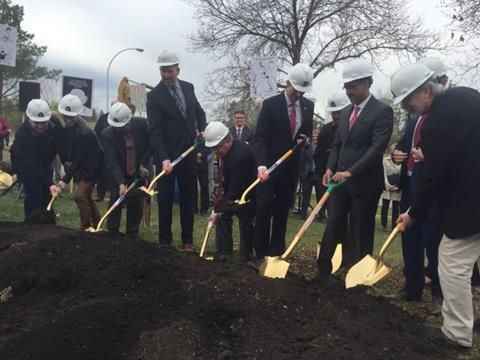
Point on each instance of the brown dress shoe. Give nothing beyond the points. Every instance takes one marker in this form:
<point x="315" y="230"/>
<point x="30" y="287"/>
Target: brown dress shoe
<point x="187" y="248"/>
<point x="435" y="307"/>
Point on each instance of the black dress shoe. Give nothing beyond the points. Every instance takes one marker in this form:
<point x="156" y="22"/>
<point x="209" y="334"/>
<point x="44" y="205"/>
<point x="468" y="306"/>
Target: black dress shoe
<point x="476" y="325"/>
<point x="443" y="340"/>
<point x="401" y="295"/>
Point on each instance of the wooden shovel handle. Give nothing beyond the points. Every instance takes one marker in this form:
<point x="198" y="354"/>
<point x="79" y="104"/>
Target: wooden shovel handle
<point x="387" y="244"/>
<point x="50" y="204"/>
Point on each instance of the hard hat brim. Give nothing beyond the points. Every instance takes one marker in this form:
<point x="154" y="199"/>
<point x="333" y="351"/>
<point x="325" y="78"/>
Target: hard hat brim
<point x="62" y="111"/>
<point x="303" y="89"/>
<point x="118" y="125"/>
<point x="167" y="64"/>
<point x="40" y="118"/>
<point x="336" y="108"/>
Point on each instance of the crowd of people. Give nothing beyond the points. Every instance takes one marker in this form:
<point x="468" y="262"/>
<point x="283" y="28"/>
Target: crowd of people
<point x="429" y="175"/>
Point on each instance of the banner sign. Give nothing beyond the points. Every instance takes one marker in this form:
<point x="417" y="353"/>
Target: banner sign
<point x="83" y="88"/>
<point x="263" y="77"/>
<point x="8" y="45"/>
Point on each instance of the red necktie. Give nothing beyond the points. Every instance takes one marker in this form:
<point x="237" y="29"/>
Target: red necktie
<point x="130" y="150"/>
<point x="354" y="118"/>
<point x="293" y="119"/>
<point x="239" y="133"/>
<point x="416" y="140"/>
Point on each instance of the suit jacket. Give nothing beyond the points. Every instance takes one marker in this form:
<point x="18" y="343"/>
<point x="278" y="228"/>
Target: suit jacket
<point x="84" y="152"/>
<point x="247" y="134"/>
<point x="115" y="152"/>
<point x="239" y="171"/>
<point x="273" y="137"/>
<point x="32" y="153"/>
<point x="325" y="140"/>
<point x="360" y="151"/>
<point x="451" y="172"/>
<point x="170" y="133"/>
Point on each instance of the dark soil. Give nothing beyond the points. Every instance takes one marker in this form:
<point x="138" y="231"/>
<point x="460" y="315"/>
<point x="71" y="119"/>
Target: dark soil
<point x="92" y="296"/>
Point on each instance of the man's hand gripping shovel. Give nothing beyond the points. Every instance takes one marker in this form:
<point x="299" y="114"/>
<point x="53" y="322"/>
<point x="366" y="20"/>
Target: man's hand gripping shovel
<point x="150" y="190"/>
<point x="243" y="200"/>
<point x="113" y="207"/>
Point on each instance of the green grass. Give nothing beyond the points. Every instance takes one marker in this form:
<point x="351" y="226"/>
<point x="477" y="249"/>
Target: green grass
<point x="11" y="209"/>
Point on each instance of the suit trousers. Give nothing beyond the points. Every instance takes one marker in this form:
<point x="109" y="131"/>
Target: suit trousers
<point x="89" y="214"/>
<point x="312" y="180"/>
<point x="133" y="202"/>
<point x="456" y="258"/>
<point x="37" y="192"/>
<point x="224" y="239"/>
<point x="202" y="177"/>
<point x="360" y="210"/>
<point x="184" y="174"/>
<point x="274" y="199"/>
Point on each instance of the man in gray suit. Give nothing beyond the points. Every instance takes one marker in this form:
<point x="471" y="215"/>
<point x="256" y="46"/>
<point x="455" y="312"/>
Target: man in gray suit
<point x="240" y="130"/>
<point x="363" y="134"/>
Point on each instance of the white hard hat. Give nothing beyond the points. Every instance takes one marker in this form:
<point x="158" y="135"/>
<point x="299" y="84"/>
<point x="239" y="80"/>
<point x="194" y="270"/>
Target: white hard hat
<point x="70" y="105"/>
<point x="119" y="115"/>
<point x="167" y="58"/>
<point x="407" y="79"/>
<point x="436" y="65"/>
<point x="214" y="133"/>
<point x="38" y="110"/>
<point x="357" y="69"/>
<point x="301" y="77"/>
<point x="337" y="101"/>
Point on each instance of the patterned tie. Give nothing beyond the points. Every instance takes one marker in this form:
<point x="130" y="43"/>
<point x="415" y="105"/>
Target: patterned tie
<point x="416" y="140"/>
<point x="130" y="149"/>
<point x="178" y="101"/>
<point x="219" y="189"/>
<point x="239" y="133"/>
<point x="354" y="118"/>
<point x="293" y="119"/>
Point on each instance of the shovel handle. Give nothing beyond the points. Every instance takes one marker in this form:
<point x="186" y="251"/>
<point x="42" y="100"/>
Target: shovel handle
<point x="332" y="185"/>
<point x="279" y="161"/>
<point x="387" y="244"/>
<point x="115" y="204"/>
<point x="175" y="162"/>
<point x="306" y="224"/>
<point x="50" y="204"/>
<point x="155" y="179"/>
<point x="245" y="193"/>
<point x="205" y="240"/>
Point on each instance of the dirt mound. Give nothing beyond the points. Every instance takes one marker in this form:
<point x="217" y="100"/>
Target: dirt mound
<point x="91" y="296"/>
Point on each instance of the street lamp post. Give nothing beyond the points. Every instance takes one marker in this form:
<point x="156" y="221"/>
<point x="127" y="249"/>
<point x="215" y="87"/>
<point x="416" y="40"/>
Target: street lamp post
<point x="108" y="69"/>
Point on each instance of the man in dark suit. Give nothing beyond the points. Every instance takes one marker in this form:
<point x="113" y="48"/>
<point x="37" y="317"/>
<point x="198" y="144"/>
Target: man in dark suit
<point x="175" y="118"/>
<point x="363" y="134"/>
<point x="237" y="170"/>
<point x="127" y="157"/>
<point x="451" y="173"/>
<point x="202" y="155"/>
<point x="282" y="119"/>
<point x="240" y="130"/>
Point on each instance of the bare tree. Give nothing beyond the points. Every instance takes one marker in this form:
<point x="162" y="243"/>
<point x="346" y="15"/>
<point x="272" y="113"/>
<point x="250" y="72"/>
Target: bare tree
<point x="465" y="28"/>
<point x="319" y="32"/>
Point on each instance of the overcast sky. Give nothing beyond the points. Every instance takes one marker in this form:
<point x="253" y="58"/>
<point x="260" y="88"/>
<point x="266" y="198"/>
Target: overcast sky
<point x="83" y="35"/>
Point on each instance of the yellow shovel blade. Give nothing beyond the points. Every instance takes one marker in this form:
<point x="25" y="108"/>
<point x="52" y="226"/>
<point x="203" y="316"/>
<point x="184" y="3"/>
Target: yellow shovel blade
<point x="359" y="272"/>
<point x="337" y="259"/>
<point x="5" y="180"/>
<point x="378" y="275"/>
<point x="274" y="267"/>
<point x="366" y="272"/>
